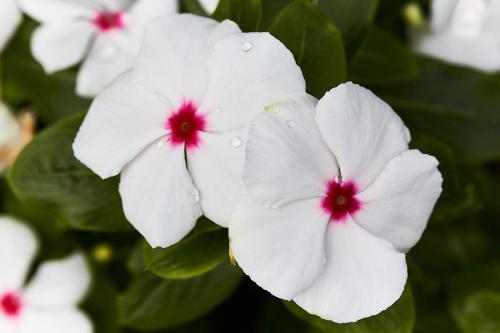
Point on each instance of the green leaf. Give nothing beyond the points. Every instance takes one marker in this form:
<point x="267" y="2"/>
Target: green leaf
<point x="152" y="303"/>
<point x="316" y="44"/>
<point x="46" y="172"/>
<point x="382" y="59"/>
<point x="456" y="105"/>
<point x="399" y="318"/>
<point x="475" y="299"/>
<point x="196" y="254"/>
<point x="24" y="81"/>
<point x="246" y="13"/>
<point x="193" y="7"/>
<point x="349" y="14"/>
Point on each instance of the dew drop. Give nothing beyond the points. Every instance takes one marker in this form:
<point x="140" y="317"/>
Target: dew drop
<point x="236" y="142"/>
<point x="108" y="52"/>
<point x="291" y="123"/>
<point x="196" y="195"/>
<point x="160" y="144"/>
<point x="265" y="78"/>
<point x="218" y="110"/>
<point x="246" y="46"/>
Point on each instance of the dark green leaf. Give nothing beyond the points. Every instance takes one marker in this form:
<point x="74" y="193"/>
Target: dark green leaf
<point x="457" y="105"/>
<point x="151" y="303"/>
<point x="247" y="13"/>
<point x="315" y="43"/>
<point x="349" y="14"/>
<point x="382" y="59"/>
<point x="196" y="254"/>
<point x="399" y="318"/>
<point x="46" y="172"/>
<point x="193" y="7"/>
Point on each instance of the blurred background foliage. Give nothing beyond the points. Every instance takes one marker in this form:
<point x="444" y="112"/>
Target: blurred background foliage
<point x="453" y="113"/>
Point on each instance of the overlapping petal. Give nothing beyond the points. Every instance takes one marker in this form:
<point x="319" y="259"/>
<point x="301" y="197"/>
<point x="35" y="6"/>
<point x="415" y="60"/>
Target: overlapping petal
<point x="158" y="195"/>
<point x="209" y="5"/>
<point x="174" y="54"/>
<point x="54" y="11"/>
<point x="10" y="17"/>
<point x="282" y="250"/>
<point x="18" y="246"/>
<point x="216" y="169"/>
<point x="111" y="55"/>
<point x="70" y="320"/>
<point x="247" y="72"/>
<point x="121" y="122"/>
<point x="397" y="206"/>
<point x="59" y="46"/>
<point x="363" y="276"/>
<point x="141" y="12"/>
<point x="442" y="12"/>
<point x="287" y="159"/>
<point x="58" y="283"/>
<point x="362" y="131"/>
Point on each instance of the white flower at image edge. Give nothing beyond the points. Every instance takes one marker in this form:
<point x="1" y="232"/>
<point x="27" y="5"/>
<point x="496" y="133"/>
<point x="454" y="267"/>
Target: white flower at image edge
<point x="465" y="32"/>
<point x="48" y="303"/>
<point x="10" y="18"/>
<point x="175" y="127"/>
<point x="209" y="5"/>
<point x="105" y="34"/>
<point x="9" y="132"/>
<point x="329" y="213"/>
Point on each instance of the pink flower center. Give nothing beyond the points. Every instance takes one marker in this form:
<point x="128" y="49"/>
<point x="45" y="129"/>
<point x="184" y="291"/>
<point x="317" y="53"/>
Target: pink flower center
<point x="184" y="126"/>
<point x="107" y="21"/>
<point x="11" y="304"/>
<point x="340" y="200"/>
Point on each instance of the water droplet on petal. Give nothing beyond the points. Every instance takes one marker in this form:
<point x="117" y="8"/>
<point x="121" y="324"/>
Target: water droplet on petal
<point x="160" y="143"/>
<point x="218" y="110"/>
<point x="196" y="195"/>
<point x="246" y="46"/>
<point x="265" y="78"/>
<point x="236" y="142"/>
<point x="108" y="52"/>
<point x="291" y="123"/>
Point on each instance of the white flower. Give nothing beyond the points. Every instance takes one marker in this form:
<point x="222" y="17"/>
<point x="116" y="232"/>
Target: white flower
<point x="106" y="34"/>
<point x="48" y="303"/>
<point x="10" y="18"/>
<point x="465" y="32"/>
<point x="9" y="135"/>
<point x="197" y="86"/>
<point x="209" y="5"/>
<point x="330" y="213"/>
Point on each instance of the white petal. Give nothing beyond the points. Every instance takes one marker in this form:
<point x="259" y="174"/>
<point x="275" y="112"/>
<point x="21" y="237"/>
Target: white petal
<point x="248" y="72"/>
<point x="143" y="11"/>
<point x="18" y="247"/>
<point x="397" y="206"/>
<point x="287" y="159"/>
<point x="363" y="132"/>
<point x="69" y="320"/>
<point x="115" y="4"/>
<point x="364" y="275"/>
<point x="10" y="17"/>
<point x="209" y="5"/>
<point x="159" y="197"/>
<point x="173" y="57"/>
<point x="281" y="249"/>
<point x="123" y="120"/>
<point x="9" y="127"/>
<point x="7" y="325"/>
<point x="442" y="12"/>
<point x="54" y="11"/>
<point x="60" y="46"/>
<point x="59" y="283"/>
<point x="112" y="54"/>
<point x="216" y="167"/>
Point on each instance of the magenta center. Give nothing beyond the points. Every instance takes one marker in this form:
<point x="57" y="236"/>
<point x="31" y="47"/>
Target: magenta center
<point x="184" y="125"/>
<point x="340" y="200"/>
<point x="107" y="21"/>
<point x="11" y="304"/>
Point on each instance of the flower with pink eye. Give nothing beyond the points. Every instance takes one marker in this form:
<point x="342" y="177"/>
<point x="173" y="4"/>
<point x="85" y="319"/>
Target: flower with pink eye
<point x="49" y="301"/>
<point x="175" y="126"/>
<point x="104" y="34"/>
<point x="333" y="200"/>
